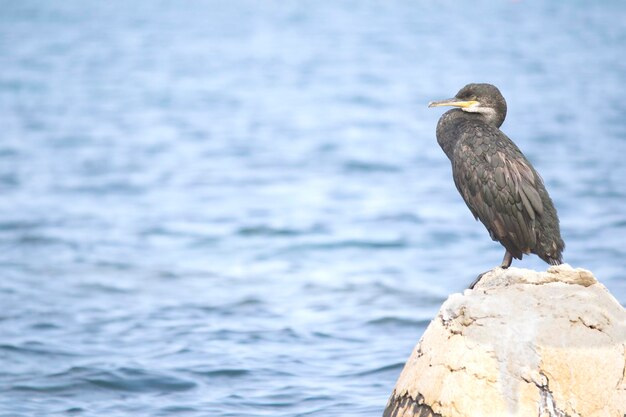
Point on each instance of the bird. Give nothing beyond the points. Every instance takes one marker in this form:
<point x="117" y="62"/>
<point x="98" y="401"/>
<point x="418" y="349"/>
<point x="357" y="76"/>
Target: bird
<point x="499" y="185"/>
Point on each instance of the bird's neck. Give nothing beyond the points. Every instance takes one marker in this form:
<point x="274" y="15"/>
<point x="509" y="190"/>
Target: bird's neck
<point x="451" y="127"/>
<point x="483" y="114"/>
<point x="488" y="115"/>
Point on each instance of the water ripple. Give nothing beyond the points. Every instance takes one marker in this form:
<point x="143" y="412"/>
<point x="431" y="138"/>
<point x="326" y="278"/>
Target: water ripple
<point x="131" y="380"/>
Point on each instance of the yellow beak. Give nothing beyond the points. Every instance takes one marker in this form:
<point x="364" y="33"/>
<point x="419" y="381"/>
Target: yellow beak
<point x="452" y="102"/>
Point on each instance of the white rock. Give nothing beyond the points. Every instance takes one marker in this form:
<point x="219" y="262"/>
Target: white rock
<point x="521" y="343"/>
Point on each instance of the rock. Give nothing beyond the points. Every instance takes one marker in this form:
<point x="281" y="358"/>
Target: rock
<point x="521" y="343"/>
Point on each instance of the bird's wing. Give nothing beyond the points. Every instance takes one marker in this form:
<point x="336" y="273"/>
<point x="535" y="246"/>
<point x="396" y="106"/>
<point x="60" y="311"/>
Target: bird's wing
<point x="499" y="186"/>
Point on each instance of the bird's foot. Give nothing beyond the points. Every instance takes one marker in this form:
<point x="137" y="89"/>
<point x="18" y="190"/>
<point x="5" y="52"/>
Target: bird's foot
<point x="479" y="277"/>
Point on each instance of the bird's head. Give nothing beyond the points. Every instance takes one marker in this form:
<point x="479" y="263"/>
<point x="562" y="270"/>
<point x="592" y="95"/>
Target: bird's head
<point x="484" y="99"/>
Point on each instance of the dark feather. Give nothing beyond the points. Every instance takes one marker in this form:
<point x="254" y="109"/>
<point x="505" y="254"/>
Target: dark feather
<point x="501" y="188"/>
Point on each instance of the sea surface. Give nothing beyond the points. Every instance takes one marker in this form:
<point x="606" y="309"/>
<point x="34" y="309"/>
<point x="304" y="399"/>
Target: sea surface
<point x="239" y="208"/>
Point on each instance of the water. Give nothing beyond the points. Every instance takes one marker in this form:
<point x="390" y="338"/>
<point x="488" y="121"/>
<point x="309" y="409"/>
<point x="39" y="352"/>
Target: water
<point x="240" y="209"/>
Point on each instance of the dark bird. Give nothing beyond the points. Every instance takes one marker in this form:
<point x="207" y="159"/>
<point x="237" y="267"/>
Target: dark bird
<point x="500" y="187"/>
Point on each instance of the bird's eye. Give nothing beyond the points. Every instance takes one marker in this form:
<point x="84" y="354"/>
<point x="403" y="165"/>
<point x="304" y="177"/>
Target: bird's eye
<point x="466" y="96"/>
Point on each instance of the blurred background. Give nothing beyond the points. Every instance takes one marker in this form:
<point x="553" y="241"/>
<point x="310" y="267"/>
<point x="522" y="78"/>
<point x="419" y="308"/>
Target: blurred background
<point x="239" y="208"/>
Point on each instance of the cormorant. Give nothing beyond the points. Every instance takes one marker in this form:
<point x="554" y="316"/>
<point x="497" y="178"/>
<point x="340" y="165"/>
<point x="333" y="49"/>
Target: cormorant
<point x="499" y="185"/>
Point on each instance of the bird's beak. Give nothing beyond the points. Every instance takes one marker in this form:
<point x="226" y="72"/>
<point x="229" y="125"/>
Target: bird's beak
<point x="453" y="102"/>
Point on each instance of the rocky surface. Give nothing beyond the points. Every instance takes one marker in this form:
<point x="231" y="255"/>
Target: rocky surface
<point x="521" y="343"/>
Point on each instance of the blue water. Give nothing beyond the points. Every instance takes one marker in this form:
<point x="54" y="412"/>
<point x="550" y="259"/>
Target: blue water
<point x="239" y="208"/>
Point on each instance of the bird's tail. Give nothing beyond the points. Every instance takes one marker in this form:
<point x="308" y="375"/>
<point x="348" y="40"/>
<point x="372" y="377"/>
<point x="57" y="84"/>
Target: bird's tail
<point x="553" y="261"/>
